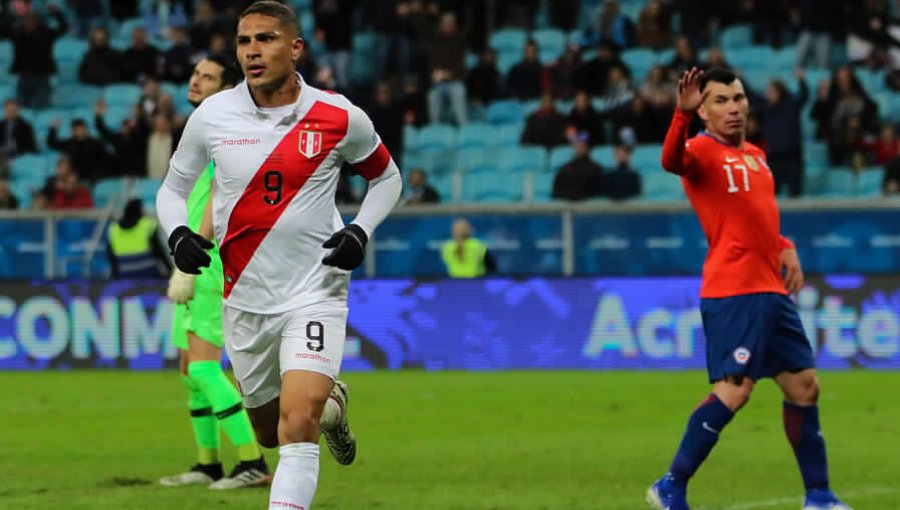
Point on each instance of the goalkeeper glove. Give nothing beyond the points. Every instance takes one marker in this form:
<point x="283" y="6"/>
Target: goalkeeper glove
<point x="181" y="287"/>
<point x="349" y="245"/>
<point x="189" y="250"/>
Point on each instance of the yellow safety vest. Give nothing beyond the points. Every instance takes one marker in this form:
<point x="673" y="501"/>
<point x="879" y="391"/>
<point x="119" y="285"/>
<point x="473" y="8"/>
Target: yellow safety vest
<point x="470" y="265"/>
<point x="131" y="247"/>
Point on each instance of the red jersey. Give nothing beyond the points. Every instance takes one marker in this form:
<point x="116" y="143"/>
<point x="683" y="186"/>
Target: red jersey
<point x="733" y="193"/>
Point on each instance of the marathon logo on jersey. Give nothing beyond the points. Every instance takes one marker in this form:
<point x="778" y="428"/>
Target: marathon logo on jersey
<point x="741" y="355"/>
<point x="310" y="143"/>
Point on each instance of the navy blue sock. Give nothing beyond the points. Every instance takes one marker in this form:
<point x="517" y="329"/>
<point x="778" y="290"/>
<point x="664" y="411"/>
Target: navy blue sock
<point x="801" y="424"/>
<point x="704" y="426"/>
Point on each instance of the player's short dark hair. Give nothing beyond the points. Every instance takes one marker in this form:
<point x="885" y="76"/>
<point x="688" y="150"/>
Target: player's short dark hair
<point x="284" y="14"/>
<point x="718" y="75"/>
<point x="231" y="74"/>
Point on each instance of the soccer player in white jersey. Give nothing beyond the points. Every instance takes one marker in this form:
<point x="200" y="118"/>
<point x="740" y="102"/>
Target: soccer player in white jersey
<point x="278" y="145"/>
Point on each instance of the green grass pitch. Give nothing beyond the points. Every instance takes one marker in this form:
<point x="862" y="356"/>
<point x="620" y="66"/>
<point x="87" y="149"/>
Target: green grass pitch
<point x="99" y="440"/>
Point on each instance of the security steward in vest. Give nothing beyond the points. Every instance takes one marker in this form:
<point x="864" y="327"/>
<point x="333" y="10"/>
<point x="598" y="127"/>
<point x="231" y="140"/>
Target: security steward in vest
<point x="464" y="256"/>
<point x="133" y="246"/>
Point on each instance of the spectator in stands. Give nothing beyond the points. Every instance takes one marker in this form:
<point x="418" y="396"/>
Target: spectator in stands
<point x="16" y="133"/>
<point x="618" y="88"/>
<point x="524" y="80"/>
<point x="101" y="65"/>
<point x="891" y="183"/>
<point x="88" y="16"/>
<point x="516" y="13"/>
<point x="683" y="60"/>
<point x="581" y="177"/>
<point x="564" y="13"/>
<point x="585" y="119"/>
<point x="465" y="256"/>
<point x="563" y="73"/>
<point x="593" y="76"/>
<point x="160" y="146"/>
<point x="448" y="54"/>
<point x="417" y="189"/>
<point x="816" y="21"/>
<point x="33" y="57"/>
<point x="872" y="42"/>
<point x="610" y="25"/>
<point x="334" y="29"/>
<point x="151" y="94"/>
<point x="483" y="81"/>
<point x="392" y="42"/>
<point x="658" y="93"/>
<point x="129" y="144"/>
<point x="87" y="155"/>
<point x="768" y="17"/>
<point x="64" y="190"/>
<point x="821" y="111"/>
<point x="779" y="113"/>
<point x="203" y="26"/>
<point x="141" y="60"/>
<point x="387" y="116"/>
<point x="219" y="45"/>
<point x="623" y="182"/>
<point x="123" y="9"/>
<point x="133" y="247"/>
<point x="884" y="148"/>
<point x="716" y="58"/>
<point x="654" y="26"/>
<point x="546" y="126"/>
<point x="413" y="102"/>
<point x="8" y="201"/>
<point x="850" y="114"/>
<point x="176" y="61"/>
<point x="635" y="123"/>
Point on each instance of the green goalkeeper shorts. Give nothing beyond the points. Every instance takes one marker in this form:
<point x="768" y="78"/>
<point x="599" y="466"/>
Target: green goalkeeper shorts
<point x="201" y="316"/>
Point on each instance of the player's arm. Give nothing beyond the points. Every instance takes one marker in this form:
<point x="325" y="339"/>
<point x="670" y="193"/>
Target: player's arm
<point x="206" y="227"/>
<point x="188" y="162"/>
<point x="790" y="265"/>
<point x="675" y="157"/>
<point x="363" y="149"/>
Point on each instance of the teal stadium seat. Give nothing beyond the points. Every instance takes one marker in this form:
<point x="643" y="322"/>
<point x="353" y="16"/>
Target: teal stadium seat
<point x="23" y="191"/>
<point x="639" y="60"/>
<point x="753" y="58"/>
<point x="6" y="53"/>
<point x="477" y="134"/>
<point x="75" y="96"/>
<point x="522" y="159"/>
<point x="506" y="61"/>
<point x="738" y="36"/>
<point x="477" y="160"/>
<point x="605" y="155"/>
<point x="69" y="49"/>
<point x="869" y="182"/>
<point x="646" y="159"/>
<point x="127" y="26"/>
<point x="505" y="111"/>
<point x="662" y="187"/>
<point x="32" y="167"/>
<point x="433" y="161"/>
<point x="492" y="187"/>
<point x="838" y="183"/>
<point x="363" y="70"/>
<point x="551" y="43"/>
<point x="559" y="157"/>
<point x="145" y="189"/>
<point x="510" y="41"/>
<point x="509" y="134"/>
<point x="542" y="186"/>
<point x="785" y="58"/>
<point x="122" y="94"/>
<point x="107" y="191"/>
<point x="437" y="136"/>
<point x="443" y="184"/>
<point x="815" y="153"/>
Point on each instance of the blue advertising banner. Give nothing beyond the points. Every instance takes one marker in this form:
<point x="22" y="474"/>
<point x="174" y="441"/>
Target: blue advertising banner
<point x="493" y="324"/>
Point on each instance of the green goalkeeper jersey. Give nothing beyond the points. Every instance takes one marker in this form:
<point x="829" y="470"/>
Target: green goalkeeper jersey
<point x="211" y="278"/>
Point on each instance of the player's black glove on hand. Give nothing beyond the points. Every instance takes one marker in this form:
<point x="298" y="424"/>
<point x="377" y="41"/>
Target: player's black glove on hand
<point x="349" y="245"/>
<point x="189" y="250"/>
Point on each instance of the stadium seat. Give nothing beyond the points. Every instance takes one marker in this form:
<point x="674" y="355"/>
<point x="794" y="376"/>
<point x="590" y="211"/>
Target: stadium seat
<point x="444" y="185"/>
<point x="509" y="41"/>
<point x="477" y="159"/>
<point x="869" y="182"/>
<point x="122" y="95"/>
<point x="646" y="159"/>
<point x="521" y="159"/>
<point x="509" y="134"/>
<point x="69" y="49"/>
<point x="145" y="189"/>
<point x="605" y="155"/>
<point x="6" y="52"/>
<point x="639" y="60"/>
<point x="23" y="191"/>
<point x="542" y="186"/>
<point x="31" y="167"/>
<point x="559" y="157"/>
<point x="107" y="190"/>
<point x="838" y="183"/>
<point x="505" y="111"/>
<point x="785" y="57"/>
<point x="436" y="136"/>
<point x="550" y="41"/>
<point x="753" y="58"/>
<point x="738" y="36"/>
<point x="815" y="153"/>
<point x="75" y="96"/>
<point x="506" y="61"/>
<point x="477" y="134"/>
<point x="492" y="187"/>
<point x="661" y="187"/>
<point x="410" y="137"/>
<point x="436" y="161"/>
<point x="363" y="71"/>
<point x="128" y="25"/>
<point x="871" y="80"/>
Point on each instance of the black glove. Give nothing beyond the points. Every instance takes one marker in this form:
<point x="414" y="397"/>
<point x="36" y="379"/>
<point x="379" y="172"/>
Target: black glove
<point x="349" y="245"/>
<point x="189" y="250"/>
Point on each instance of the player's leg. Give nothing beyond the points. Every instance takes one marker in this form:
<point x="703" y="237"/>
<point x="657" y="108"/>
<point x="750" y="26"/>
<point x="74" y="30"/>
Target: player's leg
<point x="791" y="360"/>
<point x="206" y="430"/>
<point x="310" y="356"/>
<point x="734" y="328"/>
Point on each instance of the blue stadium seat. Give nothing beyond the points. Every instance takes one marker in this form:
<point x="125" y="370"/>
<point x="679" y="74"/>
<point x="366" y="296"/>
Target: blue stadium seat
<point x="410" y="137"/>
<point x="363" y="71"/>
<point x="7" y="91"/>
<point x="661" y="187"/>
<point x="870" y="80"/>
<point x="122" y="94"/>
<point x="6" y="53"/>
<point x="23" y="191"/>
<point x="506" y="61"/>
<point x="145" y="189"/>
<point x="815" y="153"/>
<point x="737" y="36"/>
<point x="437" y="136"/>
<point x="492" y="187"/>
<point x="785" y="58"/>
<point x="639" y="60"/>
<point x="509" y="41"/>
<point x="74" y="96"/>
<point x="435" y="161"/>
<point x="477" y="160"/>
<point x="443" y="184"/>
<point x="838" y="183"/>
<point x="542" y="186"/>
<point x="505" y="111"/>
<point x="69" y="49"/>
<point x="127" y="26"/>
<point x="521" y="159"/>
<point x="646" y="159"/>
<point x="550" y="41"/>
<point x="108" y="189"/>
<point x="31" y="167"/>
<point x="559" y="157"/>
<point x="509" y="134"/>
<point x="894" y="115"/>
<point x="753" y="58"/>
<point x="67" y="72"/>
<point x="532" y="105"/>
<point x="869" y="182"/>
<point x="477" y="134"/>
<point x="605" y="155"/>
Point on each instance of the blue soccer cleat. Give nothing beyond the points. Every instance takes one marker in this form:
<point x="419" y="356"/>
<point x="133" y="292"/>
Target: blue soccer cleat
<point x="665" y="494"/>
<point x="823" y="500"/>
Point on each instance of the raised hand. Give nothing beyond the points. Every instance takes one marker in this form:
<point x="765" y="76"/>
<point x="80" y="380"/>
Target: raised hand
<point x="689" y="96"/>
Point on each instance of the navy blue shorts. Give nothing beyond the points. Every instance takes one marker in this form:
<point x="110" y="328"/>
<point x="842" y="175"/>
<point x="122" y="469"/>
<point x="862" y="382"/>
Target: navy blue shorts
<point x="754" y="335"/>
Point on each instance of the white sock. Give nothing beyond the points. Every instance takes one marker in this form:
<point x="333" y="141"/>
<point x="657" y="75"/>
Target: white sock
<point x="294" y="484"/>
<point x="331" y="415"/>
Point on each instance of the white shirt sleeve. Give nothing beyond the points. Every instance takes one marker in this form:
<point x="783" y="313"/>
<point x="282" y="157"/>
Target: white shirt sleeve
<point x="189" y="161"/>
<point x="363" y="149"/>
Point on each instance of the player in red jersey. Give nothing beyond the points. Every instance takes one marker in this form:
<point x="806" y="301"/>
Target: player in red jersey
<point x="751" y="326"/>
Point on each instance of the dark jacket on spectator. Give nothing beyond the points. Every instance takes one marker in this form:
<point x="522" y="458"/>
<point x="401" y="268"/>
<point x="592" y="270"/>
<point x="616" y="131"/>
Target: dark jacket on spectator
<point x="33" y="51"/>
<point x="622" y="183"/>
<point x="177" y="66"/>
<point x="140" y="63"/>
<point x="88" y="157"/>
<point x="578" y="179"/>
<point x="483" y="84"/>
<point x="590" y="122"/>
<point x="781" y="123"/>
<point x="449" y="52"/>
<point x="524" y="80"/>
<point x="545" y="128"/>
<point x="22" y="136"/>
<point x="332" y="17"/>
<point x="100" y="66"/>
<point x="129" y="149"/>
